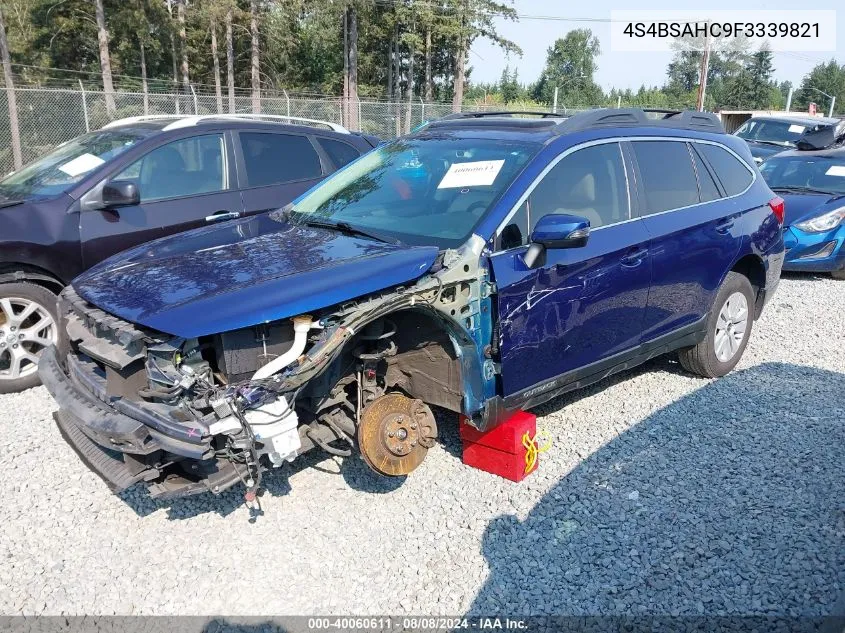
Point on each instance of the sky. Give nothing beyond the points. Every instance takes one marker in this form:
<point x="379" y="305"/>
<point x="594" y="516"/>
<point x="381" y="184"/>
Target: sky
<point x="621" y="69"/>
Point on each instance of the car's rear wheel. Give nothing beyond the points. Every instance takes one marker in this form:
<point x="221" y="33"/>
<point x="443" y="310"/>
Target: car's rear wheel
<point x="728" y="329"/>
<point x="28" y="325"/>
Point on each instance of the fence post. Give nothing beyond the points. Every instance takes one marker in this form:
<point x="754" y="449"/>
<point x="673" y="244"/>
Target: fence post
<point x="84" y="106"/>
<point x="359" y="114"/>
<point x="194" y="93"/>
<point x="287" y="101"/>
<point x="422" y="111"/>
<point x="11" y="98"/>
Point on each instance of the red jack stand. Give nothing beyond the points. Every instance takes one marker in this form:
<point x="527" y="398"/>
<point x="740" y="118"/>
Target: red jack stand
<point x="500" y="451"/>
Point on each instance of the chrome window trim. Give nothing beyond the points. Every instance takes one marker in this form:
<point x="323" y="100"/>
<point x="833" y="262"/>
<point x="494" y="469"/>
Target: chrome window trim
<point x="622" y="139"/>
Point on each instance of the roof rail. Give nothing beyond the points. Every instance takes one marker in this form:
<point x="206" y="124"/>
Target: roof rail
<point x="189" y="120"/>
<point x="630" y="117"/>
<point x="499" y="113"/>
<point x="140" y="119"/>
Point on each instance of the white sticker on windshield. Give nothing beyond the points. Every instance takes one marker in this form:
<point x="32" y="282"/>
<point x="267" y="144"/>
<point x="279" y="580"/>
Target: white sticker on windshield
<point x="475" y="174"/>
<point x="797" y="129"/>
<point x="835" y="170"/>
<point x="81" y="164"/>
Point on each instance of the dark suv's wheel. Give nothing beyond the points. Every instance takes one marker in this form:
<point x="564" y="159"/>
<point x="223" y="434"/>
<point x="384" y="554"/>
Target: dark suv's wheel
<point x="728" y="329"/>
<point x="28" y="324"/>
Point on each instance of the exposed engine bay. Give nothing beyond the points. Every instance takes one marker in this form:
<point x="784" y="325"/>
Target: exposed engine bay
<point x="209" y="412"/>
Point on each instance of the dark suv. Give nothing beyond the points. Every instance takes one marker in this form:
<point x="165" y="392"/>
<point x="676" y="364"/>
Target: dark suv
<point x="483" y="264"/>
<point x="133" y="181"/>
<point x="770" y="135"/>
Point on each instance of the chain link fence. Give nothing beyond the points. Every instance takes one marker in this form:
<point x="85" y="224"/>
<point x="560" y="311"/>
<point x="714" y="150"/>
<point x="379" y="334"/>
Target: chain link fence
<point x="48" y="117"/>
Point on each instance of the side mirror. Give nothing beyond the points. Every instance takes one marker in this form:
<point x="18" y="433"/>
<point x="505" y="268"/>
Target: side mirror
<point x="120" y="193"/>
<point x="556" y="231"/>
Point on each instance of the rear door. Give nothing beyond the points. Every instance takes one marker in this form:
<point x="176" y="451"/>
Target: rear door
<point x="274" y="168"/>
<point x="183" y="184"/>
<point x="583" y="305"/>
<point x="693" y="226"/>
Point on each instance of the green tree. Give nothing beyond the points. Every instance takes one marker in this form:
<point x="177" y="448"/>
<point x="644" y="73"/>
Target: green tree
<point x="725" y="72"/>
<point x="473" y="19"/>
<point x="138" y="29"/>
<point x="827" y="77"/>
<point x="509" y="86"/>
<point x="736" y="92"/>
<point x="684" y="70"/>
<point x="760" y="69"/>
<point x="570" y="66"/>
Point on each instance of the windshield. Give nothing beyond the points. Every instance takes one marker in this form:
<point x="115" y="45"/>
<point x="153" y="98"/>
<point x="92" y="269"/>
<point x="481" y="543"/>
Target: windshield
<point x="817" y="173"/>
<point x="425" y="190"/>
<point x="66" y="165"/>
<point x="780" y="132"/>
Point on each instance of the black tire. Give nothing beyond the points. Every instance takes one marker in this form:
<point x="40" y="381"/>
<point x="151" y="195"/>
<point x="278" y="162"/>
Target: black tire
<point x="838" y="274"/>
<point x="46" y="300"/>
<point x="702" y="359"/>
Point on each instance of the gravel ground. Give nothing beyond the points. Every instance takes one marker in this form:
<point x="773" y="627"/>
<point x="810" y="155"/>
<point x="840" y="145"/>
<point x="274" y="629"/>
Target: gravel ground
<point x="661" y="494"/>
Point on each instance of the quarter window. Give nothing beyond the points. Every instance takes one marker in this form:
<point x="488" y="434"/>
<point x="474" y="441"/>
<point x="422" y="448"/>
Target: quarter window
<point x="188" y="167"/>
<point x="667" y="175"/>
<point x="589" y="183"/>
<point x="706" y="185"/>
<point x="731" y="172"/>
<point x="340" y="153"/>
<point x="516" y="231"/>
<point x="271" y="159"/>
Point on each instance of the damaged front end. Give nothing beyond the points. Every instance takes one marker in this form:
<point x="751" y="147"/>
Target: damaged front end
<point x="190" y="415"/>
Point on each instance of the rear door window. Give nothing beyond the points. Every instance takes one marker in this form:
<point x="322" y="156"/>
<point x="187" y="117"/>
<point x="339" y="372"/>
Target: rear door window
<point x="271" y="159"/>
<point x="667" y="175"/>
<point x="339" y="152"/>
<point x="731" y="172"/>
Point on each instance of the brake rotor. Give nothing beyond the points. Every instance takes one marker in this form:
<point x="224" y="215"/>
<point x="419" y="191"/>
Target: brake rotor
<point x="395" y="434"/>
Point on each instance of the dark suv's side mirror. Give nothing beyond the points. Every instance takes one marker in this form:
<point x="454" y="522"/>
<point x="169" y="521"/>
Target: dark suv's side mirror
<point x="120" y="193"/>
<point x="556" y="230"/>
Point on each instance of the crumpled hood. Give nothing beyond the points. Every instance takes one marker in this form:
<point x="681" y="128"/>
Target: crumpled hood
<point x="239" y="274"/>
<point x="803" y="206"/>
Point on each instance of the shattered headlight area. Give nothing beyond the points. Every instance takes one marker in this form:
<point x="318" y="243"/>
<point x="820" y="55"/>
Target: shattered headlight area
<point x="187" y="416"/>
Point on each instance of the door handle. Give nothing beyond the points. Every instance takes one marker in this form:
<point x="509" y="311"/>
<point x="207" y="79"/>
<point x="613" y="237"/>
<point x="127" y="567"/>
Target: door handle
<point x="634" y="258"/>
<point x="724" y="226"/>
<point x="222" y="215"/>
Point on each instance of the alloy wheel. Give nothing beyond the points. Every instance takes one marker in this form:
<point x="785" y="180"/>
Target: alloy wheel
<point x="730" y="327"/>
<point x="26" y="328"/>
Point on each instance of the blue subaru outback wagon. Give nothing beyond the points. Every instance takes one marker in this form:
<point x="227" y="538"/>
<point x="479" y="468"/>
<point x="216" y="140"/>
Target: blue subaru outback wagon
<point x="483" y="264"/>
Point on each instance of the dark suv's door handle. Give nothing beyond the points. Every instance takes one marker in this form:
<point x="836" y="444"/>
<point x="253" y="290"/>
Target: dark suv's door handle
<point x="724" y="226"/>
<point x="634" y="257"/>
<point x="222" y="215"/>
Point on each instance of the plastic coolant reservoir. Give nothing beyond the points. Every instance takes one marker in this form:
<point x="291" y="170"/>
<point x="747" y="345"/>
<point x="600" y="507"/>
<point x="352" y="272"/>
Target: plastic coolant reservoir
<point x="275" y="425"/>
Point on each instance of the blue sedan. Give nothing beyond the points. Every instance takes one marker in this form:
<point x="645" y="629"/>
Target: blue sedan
<point x="812" y="185"/>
